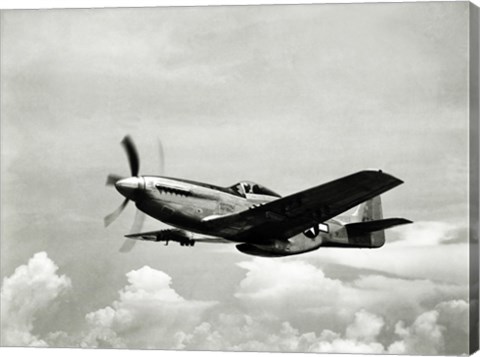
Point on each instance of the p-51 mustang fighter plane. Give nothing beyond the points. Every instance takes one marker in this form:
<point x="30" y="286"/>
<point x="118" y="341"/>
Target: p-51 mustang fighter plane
<point x="259" y="221"/>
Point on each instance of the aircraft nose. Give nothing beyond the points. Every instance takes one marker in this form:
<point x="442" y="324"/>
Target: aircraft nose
<point x="127" y="187"/>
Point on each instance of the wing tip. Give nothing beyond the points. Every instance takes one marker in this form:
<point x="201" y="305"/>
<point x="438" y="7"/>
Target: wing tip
<point x="382" y="174"/>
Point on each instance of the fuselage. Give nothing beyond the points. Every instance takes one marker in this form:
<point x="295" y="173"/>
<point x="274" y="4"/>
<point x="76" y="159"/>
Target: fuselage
<point x="188" y="205"/>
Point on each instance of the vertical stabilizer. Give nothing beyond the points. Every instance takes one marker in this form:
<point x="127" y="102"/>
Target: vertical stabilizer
<point x="370" y="210"/>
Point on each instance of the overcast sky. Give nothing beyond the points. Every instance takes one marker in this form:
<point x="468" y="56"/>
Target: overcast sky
<point x="288" y="96"/>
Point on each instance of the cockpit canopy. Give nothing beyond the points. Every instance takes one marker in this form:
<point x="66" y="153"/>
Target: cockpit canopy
<point x="247" y="187"/>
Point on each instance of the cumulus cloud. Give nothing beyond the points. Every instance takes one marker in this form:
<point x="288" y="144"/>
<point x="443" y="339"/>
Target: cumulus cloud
<point x="271" y="286"/>
<point x="30" y="290"/>
<point x="148" y="314"/>
<point x="354" y="340"/>
<point x="279" y="305"/>
<point x="455" y="314"/>
<point x="294" y="306"/>
<point x="427" y="233"/>
<point x="257" y="333"/>
<point x="424" y="336"/>
<point x="366" y="327"/>
<point x="299" y="292"/>
<point x="415" y="253"/>
<point x="443" y="330"/>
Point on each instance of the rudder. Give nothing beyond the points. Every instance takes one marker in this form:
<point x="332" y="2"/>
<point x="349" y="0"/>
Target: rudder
<point x="368" y="211"/>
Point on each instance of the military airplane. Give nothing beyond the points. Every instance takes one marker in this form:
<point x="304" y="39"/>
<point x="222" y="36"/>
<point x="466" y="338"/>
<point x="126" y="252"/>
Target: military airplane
<point x="258" y="220"/>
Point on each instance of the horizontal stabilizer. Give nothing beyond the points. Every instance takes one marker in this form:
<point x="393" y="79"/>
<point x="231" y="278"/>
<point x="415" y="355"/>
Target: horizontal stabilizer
<point x="373" y="226"/>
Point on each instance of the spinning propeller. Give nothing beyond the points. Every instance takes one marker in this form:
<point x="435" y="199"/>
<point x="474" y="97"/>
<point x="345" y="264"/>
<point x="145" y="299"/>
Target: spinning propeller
<point x="112" y="179"/>
<point x="121" y="183"/>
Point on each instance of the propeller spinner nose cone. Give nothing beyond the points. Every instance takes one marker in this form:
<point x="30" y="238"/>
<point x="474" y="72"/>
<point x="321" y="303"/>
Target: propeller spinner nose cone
<point x="127" y="187"/>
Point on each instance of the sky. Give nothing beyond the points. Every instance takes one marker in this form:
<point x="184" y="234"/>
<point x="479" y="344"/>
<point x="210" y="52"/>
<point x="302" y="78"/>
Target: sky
<point x="287" y="96"/>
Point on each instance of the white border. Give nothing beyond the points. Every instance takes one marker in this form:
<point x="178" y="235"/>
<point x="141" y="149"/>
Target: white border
<point x="54" y="4"/>
<point x="42" y="4"/>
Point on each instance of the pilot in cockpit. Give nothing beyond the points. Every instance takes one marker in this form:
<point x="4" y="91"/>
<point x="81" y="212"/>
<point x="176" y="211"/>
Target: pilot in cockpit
<point x="244" y="188"/>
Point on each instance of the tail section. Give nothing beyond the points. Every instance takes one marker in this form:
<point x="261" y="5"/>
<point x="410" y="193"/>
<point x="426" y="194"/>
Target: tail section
<point x="368" y="225"/>
<point x="370" y="210"/>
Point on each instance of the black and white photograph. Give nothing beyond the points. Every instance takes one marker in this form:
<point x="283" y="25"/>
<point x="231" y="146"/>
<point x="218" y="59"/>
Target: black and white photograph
<point x="254" y="178"/>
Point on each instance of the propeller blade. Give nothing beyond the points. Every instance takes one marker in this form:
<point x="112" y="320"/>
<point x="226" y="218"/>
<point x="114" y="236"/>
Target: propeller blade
<point x="162" y="157"/>
<point x="127" y="246"/>
<point x="132" y="154"/>
<point x="113" y="216"/>
<point x="138" y="222"/>
<point x="112" y="179"/>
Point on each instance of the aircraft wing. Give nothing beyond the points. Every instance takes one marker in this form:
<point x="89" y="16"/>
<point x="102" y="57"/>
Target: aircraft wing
<point x="291" y="215"/>
<point x="175" y="235"/>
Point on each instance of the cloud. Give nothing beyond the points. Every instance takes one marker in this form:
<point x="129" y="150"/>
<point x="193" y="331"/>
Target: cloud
<point x="366" y="327"/>
<point x="330" y="342"/>
<point x="148" y="314"/>
<point x="257" y="333"/>
<point x="442" y="330"/>
<point x="271" y="285"/>
<point x="291" y="306"/>
<point x="279" y="305"/>
<point x="29" y="291"/>
<point x="415" y="253"/>
<point x="427" y="233"/>
<point x="239" y="332"/>
<point x="455" y="314"/>
<point x="424" y="336"/>
<point x="301" y="293"/>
